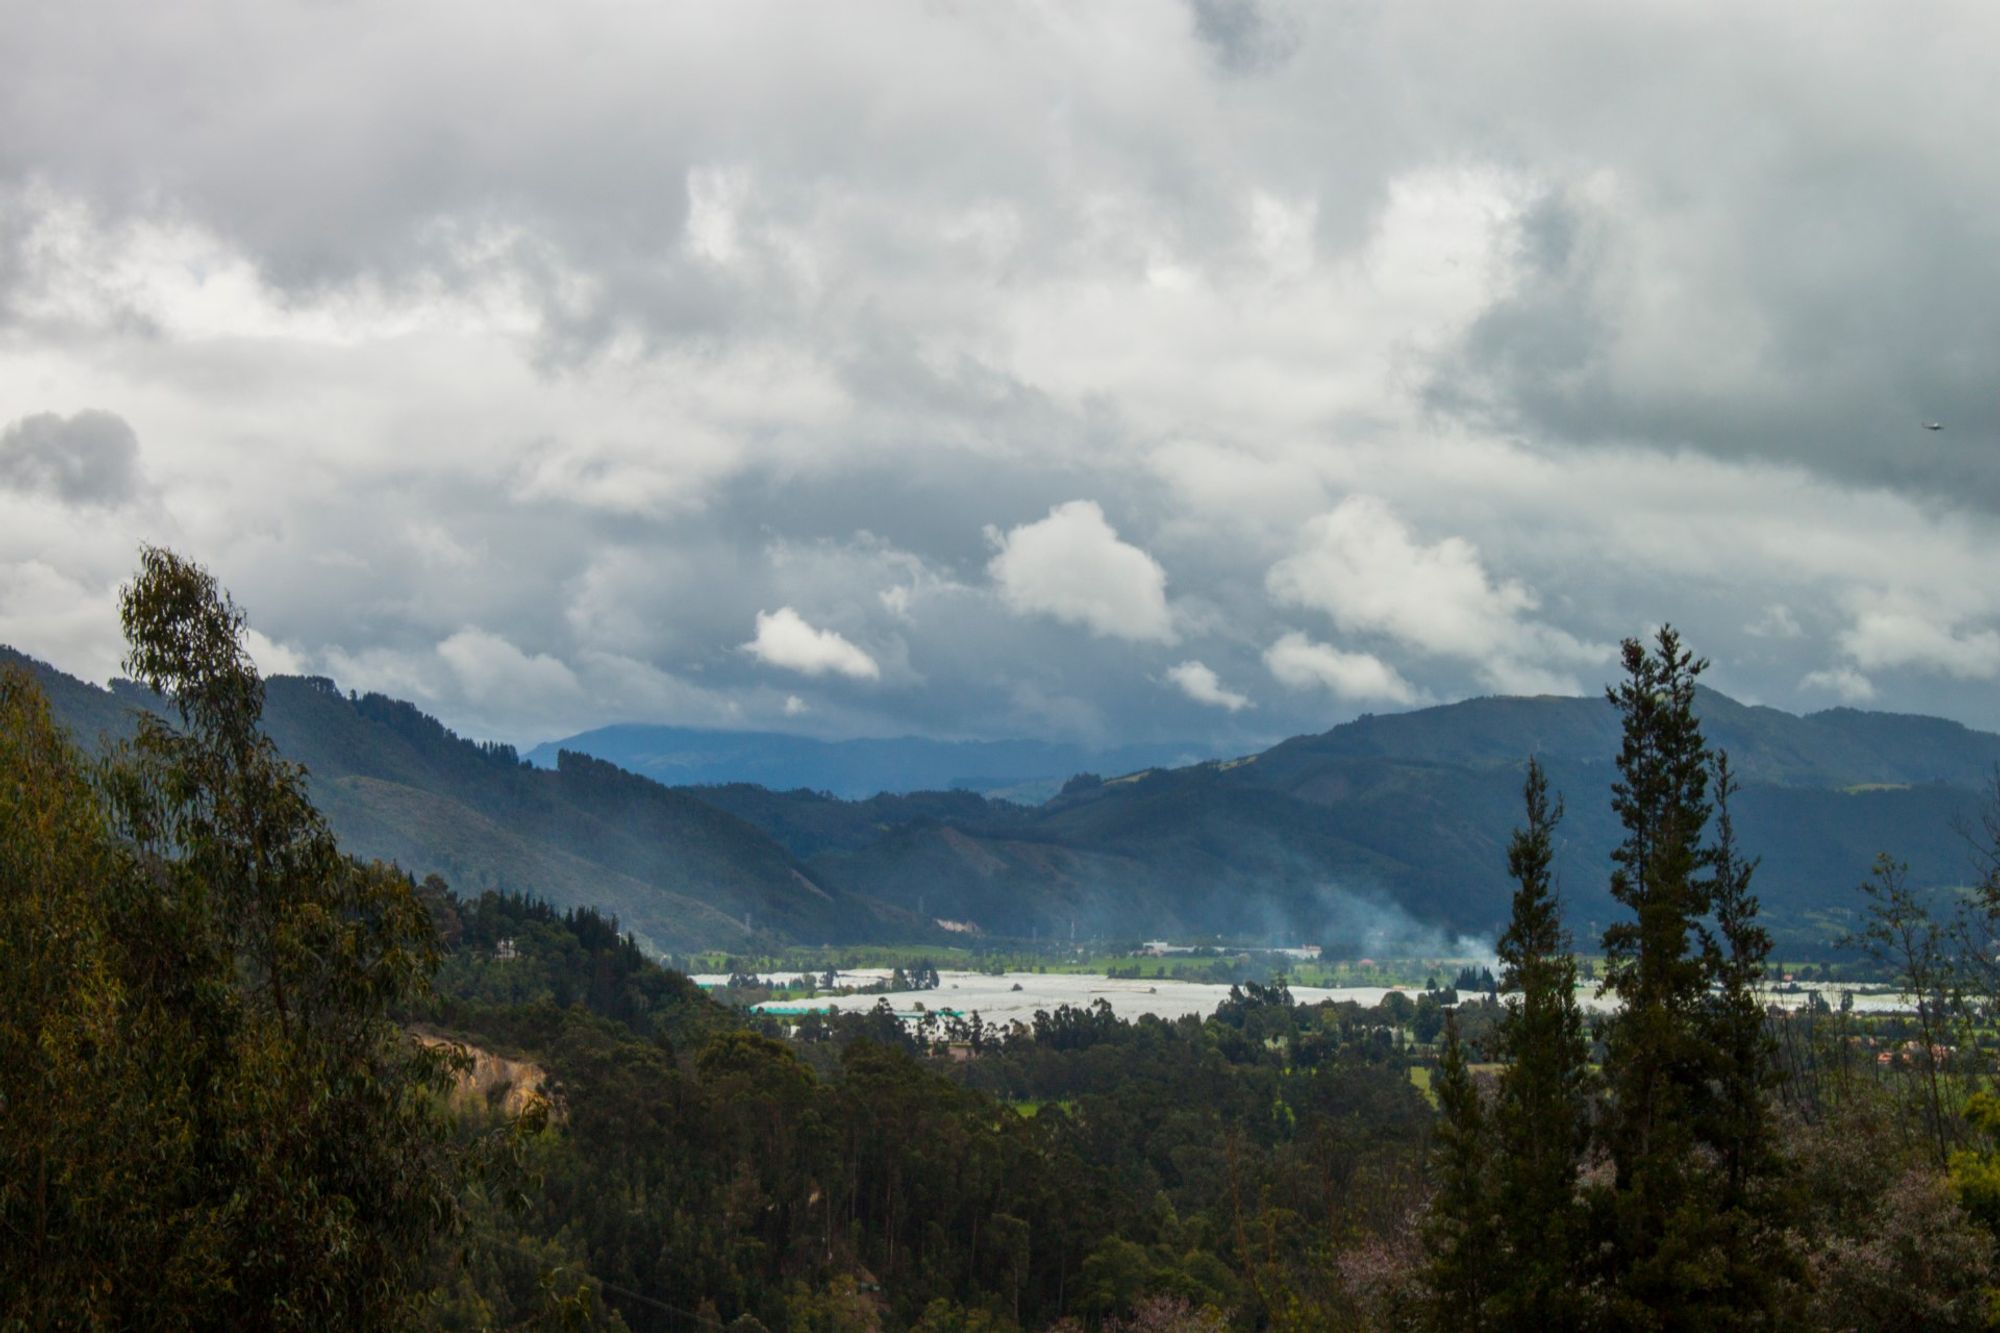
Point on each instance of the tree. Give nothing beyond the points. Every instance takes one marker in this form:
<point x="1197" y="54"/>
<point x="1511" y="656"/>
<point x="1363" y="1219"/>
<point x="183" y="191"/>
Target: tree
<point x="1899" y="932"/>
<point x="1753" y="1205"/>
<point x="285" y="1160"/>
<point x="1459" y="1233"/>
<point x="1656" y="1061"/>
<point x="73" y="1124"/>
<point x="1740" y="1040"/>
<point x="1541" y="1117"/>
<point x="1693" y="1207"/>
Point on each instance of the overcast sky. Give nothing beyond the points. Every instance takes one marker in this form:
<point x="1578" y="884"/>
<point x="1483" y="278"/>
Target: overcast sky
<point x="1213" y="370"/>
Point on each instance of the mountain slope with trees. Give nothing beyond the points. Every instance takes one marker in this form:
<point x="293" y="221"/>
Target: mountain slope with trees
<point x="396" y="784"/>
<point x="1394" y="820"/>
<point x="1361" y="838"/>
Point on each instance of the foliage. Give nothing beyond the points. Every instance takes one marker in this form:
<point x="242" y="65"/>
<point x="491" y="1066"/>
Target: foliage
<point x="1541" y="1116"/>
<point x="1673" y="1206"/>
<point x="247" y="1136"/>
<point x="692" y="1160"/>
<point x="211" y="1110"/>
<point x="1899" y="930"/>
<point x="1461" y="1230"/>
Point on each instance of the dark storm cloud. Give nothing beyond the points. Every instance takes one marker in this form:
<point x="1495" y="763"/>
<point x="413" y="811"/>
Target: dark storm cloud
<point x="89" y="458"/>
<point x="1823" y="348"/>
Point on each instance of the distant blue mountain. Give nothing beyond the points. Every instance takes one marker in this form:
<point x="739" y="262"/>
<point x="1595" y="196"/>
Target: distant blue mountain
<point x="1029" y="771"/>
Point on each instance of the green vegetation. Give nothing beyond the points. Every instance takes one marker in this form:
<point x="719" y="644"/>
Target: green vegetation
<point x="206" y="1113"/>
<point x="1719" y="1166"/>
<point x="247" y="1080"/>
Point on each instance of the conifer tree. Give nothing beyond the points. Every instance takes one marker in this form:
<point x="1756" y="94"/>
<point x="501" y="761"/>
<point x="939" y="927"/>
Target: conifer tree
<point x="1459" y="1234"/>
<point x="1753" y="1205"/>
<point x="1685" y="1066"/>
<point x="1656" y="1061"/>
<point x="1541" y="1118"/>
<point x="1743" y="1047"/>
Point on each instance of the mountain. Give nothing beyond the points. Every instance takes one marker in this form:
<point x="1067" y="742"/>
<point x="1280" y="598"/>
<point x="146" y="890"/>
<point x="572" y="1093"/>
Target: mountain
<point x="858" y="769"/>
<point x="1396" y="826"/>
<point x="396" y="784"/>
<point x="1383" y="833"/>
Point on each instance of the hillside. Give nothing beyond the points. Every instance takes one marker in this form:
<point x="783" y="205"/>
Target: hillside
<point x="1387" y="830"/>
<point x="1391" y="824"/>
<point x="396" y="784"/>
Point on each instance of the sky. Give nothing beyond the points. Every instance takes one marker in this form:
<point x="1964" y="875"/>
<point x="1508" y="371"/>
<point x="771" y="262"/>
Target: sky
<point x="1213" y="370"/>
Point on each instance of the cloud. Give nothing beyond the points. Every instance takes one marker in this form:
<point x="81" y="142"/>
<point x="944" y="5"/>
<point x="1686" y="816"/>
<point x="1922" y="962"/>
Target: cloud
<point x="1302" y="664"/>
<point x="47" y="614"/>
<point x="1850" y="685"/>
<point x="1776" y="621"/>
<point x="1362" y="565"/>
<point x="89" y="458"/>
<point x="621" y="320"/>
<point x="489" y="669"/>
<point x="1201" y="684"/>
<point x="785" y="640"/>
<point x="273" y="658"/>
<point x="1245" y="36"/>
<point x="1897" y="634"/>
<point x="1072" y="567"/>
<point x="795" y="706"/>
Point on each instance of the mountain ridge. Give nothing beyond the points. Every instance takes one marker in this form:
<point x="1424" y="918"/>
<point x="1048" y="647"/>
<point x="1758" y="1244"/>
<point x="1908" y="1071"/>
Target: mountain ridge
<point x="1391" y="823"/>
<point x="397" y="784"/>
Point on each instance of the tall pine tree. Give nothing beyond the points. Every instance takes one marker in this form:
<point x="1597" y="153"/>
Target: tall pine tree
<point x="1542" y="1116"/>
<point x="1656" y="1057"/>
<point x="1755" y="1207"/>
<point x="1463" y="1269"/>
<point x="1685" y="1061"/>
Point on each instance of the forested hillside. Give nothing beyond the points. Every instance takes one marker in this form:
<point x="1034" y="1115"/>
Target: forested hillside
<point x="1400" y="818"/>
<point x="397" y="785"/>
<point x="1394" y="822"/>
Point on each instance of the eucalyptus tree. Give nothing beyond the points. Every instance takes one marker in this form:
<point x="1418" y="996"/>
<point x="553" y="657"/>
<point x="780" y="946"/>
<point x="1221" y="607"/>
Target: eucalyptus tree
<point x="243" y="1136"/>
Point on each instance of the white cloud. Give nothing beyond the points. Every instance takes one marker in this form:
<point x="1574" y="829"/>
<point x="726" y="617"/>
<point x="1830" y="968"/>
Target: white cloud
<point x="1303" y="664"/>
<point x="1895" y="633"/>
<point x="272" y="658"/>
<point x="62" y="620"/>
<point x="1362" y="566"/>
<point x="1775" y="622"/>
<point x="1850" y="685"/>
<point x="491" y="670"/>
<point x="1072" y="566"/>
<point x="715" y="200"/>
<point x="785" y="640"/>
<point x="415" y="676"/>
<point x="795" y="706"/>
<point x="1200" y="683"/>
